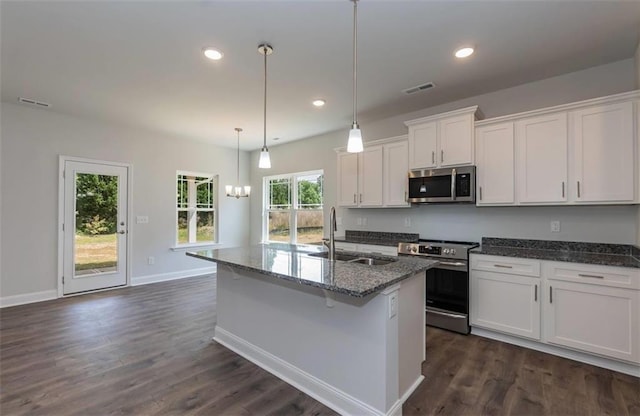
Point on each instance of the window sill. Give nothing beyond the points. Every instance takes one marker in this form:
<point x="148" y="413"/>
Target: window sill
<point x="185" y="247"/>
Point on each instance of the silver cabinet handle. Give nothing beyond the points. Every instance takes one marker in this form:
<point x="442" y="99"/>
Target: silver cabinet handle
<point x="453" y="184"/>
<point x="441" y="156"/>
<point x="361" y="198"/>
<point x="563" y="189"/>
<point x="405" y="197"/>
<point x="354" y="198"/>
<point x="578" y="189"/>
<point x="550" y="294"/>
<point x="433" y="157"/>
<point x="591" y="275"/>
<point x="503" y="266"/>
<point x="535" y="294"/>
<point x="480" y="193"/>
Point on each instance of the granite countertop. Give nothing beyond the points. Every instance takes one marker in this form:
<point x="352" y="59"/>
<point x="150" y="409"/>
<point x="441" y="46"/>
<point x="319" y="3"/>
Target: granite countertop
<point x="618" y="255"/>
<point x="294" y="263"/>
<point x="377" y="238"/>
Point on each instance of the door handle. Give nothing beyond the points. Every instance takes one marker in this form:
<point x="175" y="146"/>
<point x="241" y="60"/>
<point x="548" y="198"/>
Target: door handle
<point x="453" y="184"/>
<point x="433" y="157"/>
<point x="361" y="198"/>
<point x="354" y="198"/>
<point x="503" y="266"/>
<point x="595" y="276"/>
<point x="563" y="189"/>
<point x="550" y="294"/>
<point x="441" y="156"/>
<point x="480" y="193"/>
<point x="578" y="189"/>
<point x="535" y="294"/>
<point x="405" y="197"/>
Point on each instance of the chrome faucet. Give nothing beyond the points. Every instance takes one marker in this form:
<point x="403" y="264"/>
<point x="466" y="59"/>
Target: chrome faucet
<point x="331" y="244"/>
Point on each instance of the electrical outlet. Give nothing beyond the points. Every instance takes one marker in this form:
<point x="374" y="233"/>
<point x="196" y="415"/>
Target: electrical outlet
<point x="364" y="221"/>
<point x="393" y="304"/>
<point x="555" y="226"/>
<point x="151" y="260"/>
<point x="142" y="219"/>
<point x="407" y="221"/>
<point x="338" y="220"/>
<point x="359" y="221"/>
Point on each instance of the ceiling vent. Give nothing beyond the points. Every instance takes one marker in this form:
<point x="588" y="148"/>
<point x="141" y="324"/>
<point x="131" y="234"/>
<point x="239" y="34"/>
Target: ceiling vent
<point x="34" y="103"/>
<point x="419" y="88"/>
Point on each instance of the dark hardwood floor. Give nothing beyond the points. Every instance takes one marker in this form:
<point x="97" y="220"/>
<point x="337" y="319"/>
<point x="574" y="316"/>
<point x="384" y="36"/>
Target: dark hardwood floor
<point x="147" y="350"/>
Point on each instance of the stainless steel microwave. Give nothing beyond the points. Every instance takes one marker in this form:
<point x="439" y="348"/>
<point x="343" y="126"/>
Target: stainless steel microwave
<point x="447" y="185"/>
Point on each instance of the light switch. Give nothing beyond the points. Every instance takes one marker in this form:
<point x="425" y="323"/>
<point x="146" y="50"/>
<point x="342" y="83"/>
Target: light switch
<point x="555" y="226"/>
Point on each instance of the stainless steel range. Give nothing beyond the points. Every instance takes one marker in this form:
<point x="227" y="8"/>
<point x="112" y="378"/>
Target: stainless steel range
<point x="447" y="297"/>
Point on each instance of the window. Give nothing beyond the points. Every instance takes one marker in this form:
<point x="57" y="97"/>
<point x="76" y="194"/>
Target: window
<point x="293" y="208"/>
<point x="196" y="208"/>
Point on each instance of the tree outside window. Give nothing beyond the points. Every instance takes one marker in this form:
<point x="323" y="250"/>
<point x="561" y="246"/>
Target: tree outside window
<point x="196" y="208"/>
<point x="293" y="209"/>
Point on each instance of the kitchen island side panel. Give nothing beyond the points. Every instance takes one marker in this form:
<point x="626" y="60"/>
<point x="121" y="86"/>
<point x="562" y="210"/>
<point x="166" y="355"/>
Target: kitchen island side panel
<point x="352" y="346"/>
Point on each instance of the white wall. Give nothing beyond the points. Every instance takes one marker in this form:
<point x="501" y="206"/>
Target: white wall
<point x="637" y="58"/>
<point x="603" y="224"/>
<point x="32" y="139"/>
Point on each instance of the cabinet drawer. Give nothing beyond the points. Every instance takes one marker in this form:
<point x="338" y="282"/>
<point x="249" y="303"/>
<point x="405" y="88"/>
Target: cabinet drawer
<point x="509" y="265"/>
<point x="374" y="249"/>
<point x="596" y="275"/>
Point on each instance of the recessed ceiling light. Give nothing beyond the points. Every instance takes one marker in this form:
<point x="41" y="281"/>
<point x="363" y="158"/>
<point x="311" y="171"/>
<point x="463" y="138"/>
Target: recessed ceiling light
<point x="212" y="54"/>
<point x="319" y="103"/>
<point x="464" y="52"/>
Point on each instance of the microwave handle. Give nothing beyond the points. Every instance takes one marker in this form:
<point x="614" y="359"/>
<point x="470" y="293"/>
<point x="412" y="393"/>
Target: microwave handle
<point x="453" y="184"/>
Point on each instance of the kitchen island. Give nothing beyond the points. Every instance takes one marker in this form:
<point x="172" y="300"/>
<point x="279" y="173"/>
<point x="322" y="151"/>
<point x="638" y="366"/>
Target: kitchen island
<point x="350" y="335"/>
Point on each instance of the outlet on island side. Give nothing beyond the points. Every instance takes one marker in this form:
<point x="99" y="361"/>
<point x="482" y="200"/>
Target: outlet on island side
<point x="151" y="260"/>
<point x="393" y="304"/>
<point x="555" y="226"/>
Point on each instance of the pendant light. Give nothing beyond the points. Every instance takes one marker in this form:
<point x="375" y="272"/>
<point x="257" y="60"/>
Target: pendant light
<point x="354" y="145"/>
<point x="238" y="191"/>
<point x="265" y="162"/>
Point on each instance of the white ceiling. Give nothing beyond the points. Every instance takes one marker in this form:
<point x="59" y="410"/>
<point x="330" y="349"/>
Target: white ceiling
<point x="140" y="63"/>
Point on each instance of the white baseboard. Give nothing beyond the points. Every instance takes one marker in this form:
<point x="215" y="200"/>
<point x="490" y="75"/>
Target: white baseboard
<point x="633" y="370"/>
<point x="326" y="394"/>
<point x="396" y="409"/>
<point x="15" y="300"/>
<point x="163" y="277"/>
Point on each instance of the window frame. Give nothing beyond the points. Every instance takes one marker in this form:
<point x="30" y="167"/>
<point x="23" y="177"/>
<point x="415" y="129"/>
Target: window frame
<point x="293" y="210"/>
<point x="192" y="206"/>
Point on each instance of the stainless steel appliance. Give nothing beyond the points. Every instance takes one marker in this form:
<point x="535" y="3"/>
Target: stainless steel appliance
<point x="443" y="185"/>
<point x="447" y="297"/>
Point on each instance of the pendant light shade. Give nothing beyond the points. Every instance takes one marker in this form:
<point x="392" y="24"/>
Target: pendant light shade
<point x="237" y="191"/>
<point x="265" y="161"/>
<point x="354" y="145"/>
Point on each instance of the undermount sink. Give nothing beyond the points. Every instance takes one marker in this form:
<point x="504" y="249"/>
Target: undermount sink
<point x="351" y="258"/>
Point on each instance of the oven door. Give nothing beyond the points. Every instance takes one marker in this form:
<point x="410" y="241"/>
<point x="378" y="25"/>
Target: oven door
<point x="448" y="296"/>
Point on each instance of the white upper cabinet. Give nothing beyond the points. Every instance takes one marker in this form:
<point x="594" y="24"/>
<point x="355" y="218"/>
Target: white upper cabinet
<point x="423" y="145"/>
<point x="347" y="179"/>
<point x="573" y="154"/>
<point x="495" y="164"/>
<point x="541" y="144"/>
<point x="377" y="177"/>
<point x="604" y="153"/>
<point x="442" y="140"/>
<point x="395" y="179"/>
<point x="370" y="177"/>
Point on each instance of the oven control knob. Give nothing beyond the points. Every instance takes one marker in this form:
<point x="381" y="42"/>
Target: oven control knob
<point x="445" y="250"/>
<point x="452" y="251"/>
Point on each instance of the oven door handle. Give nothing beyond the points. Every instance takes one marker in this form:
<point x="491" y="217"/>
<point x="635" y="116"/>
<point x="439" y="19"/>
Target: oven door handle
<point x="453" y="184"/>
<point x="450" y="263"/>
<point x="450" y="315"/>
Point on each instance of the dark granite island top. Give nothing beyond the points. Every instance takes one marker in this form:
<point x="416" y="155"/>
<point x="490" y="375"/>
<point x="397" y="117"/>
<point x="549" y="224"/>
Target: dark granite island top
<point x="617" y="255"/>
<point x="294" y="263"/>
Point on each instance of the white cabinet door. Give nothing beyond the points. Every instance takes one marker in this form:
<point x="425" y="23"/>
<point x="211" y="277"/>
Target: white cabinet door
<point x="370" y="177"/>
<point x="541" y="144"/>
<point x="604" y="153"/>
<point x="347" y="179"/>
<point x="456" y="140"/>
<point x="396" y="168"/>
<point x="596" y="319"/>
<point x="495" y="164"/>
<point x="423" y="140"/>
<point x="507" y="303"/>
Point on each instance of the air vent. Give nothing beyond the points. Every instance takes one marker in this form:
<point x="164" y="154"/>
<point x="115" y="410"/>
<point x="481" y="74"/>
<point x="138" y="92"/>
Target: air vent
<point x="419" y="88"/>
<point x="35" y="103"/>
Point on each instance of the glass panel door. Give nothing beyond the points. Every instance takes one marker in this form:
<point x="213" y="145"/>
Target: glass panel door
<point x="95" y="232"/>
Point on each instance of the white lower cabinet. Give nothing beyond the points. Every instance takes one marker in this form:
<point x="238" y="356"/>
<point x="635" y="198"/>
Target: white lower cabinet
<point x="517" y="311"/>
<point x="505" y="295"/>
<point x="593" y="308"/>
<point x="587" y="308"/>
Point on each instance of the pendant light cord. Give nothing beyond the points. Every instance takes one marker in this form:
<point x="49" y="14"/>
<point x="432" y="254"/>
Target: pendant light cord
<point x="238" y="159"/>
<point x="264" y="145"/>
<point x="355" y="61"/>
